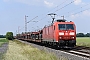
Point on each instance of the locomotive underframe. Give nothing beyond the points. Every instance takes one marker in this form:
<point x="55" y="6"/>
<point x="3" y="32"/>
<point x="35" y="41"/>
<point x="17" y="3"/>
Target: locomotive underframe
<point x="68" y="43"/>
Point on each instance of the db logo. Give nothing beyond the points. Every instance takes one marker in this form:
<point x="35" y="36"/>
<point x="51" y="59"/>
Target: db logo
<point x="66" y="33"/>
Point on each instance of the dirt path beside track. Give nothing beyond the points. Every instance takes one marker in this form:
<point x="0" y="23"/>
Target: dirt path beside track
<point x="3" y="50"/>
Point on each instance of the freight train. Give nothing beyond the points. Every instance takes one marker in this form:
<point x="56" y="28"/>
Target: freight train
<point x="60" y="33"/>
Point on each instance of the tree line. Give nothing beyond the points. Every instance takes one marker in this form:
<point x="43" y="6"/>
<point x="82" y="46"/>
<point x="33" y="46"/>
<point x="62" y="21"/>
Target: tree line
<point x="2" y="36"/>
<point x="83" y="35"/>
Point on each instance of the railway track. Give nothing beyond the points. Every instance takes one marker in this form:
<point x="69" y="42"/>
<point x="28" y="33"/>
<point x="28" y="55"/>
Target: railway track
<point x="78" y="53"/>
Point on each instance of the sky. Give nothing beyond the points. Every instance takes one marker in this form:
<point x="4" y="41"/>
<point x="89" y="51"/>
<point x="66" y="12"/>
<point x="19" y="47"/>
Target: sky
<point x="12" y="14"/>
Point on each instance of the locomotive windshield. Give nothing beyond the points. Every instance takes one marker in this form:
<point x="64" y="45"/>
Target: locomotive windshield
<point x="66" y="27"/>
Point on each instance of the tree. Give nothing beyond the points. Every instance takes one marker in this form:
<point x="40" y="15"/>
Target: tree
<point x="80" y="35"/>
<point x="87" y="35"/>
<point x="9" y="35"/>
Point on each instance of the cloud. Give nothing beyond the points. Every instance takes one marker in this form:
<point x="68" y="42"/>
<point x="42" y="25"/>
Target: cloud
<point x="49" y="4"/>
<point x="29" y="2"/>
<point x="54" y="3"/>
<point x="77" y="2"/>
<point x="74" y="16"/>
<point x="86" y="13"/>
<point x="81" y="15"/>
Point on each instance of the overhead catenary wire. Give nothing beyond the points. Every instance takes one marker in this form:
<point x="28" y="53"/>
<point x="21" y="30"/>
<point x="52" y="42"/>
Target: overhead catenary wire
<point x="65" y="6"/>
<point x="79" y="12"/>
<point x="58" y="5"/>
<point x="58" y="9"/>
<point x="81" y="7"/>
<point x="77" y="8"/>
<point x="53" y="9"/>
<point x="61" y="7"/>
<point x="74" y="10"/>
<point x="32" y="19"/>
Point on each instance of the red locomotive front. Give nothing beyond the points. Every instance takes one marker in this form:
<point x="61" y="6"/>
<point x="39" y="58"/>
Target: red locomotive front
<point x="61" y="33"/>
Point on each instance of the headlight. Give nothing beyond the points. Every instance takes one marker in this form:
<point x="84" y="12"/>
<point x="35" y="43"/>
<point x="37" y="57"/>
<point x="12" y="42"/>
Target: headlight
<point x="72" y="37"/>
<point x="60" y="37"/>
<point x="61" y="33"/>
<point x="72" y="33"/>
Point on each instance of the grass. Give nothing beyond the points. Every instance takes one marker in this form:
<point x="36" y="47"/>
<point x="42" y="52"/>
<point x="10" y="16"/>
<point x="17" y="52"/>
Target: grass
<point x="3" y="40"/>
<point x="21" y="51"/>
<point x="83" y="41"/>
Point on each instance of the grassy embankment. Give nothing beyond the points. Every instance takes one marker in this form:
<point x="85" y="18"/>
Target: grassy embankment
<point x="3" y="40"/>
<point x="83" y="41"/>
<point x="21" y="51"/>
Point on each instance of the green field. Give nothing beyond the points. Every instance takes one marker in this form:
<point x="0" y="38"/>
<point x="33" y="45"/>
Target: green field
<point x="3" y="40"/>
<point x="83" y="41"/>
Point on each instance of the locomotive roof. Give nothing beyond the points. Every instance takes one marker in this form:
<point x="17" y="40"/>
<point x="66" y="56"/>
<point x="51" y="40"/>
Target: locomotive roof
<point x="61" y="20"/>
<point x="70" y="22"/>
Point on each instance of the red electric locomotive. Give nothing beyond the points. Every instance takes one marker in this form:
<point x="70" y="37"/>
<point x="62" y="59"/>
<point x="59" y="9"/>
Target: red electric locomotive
<point x="60" y="33"/>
